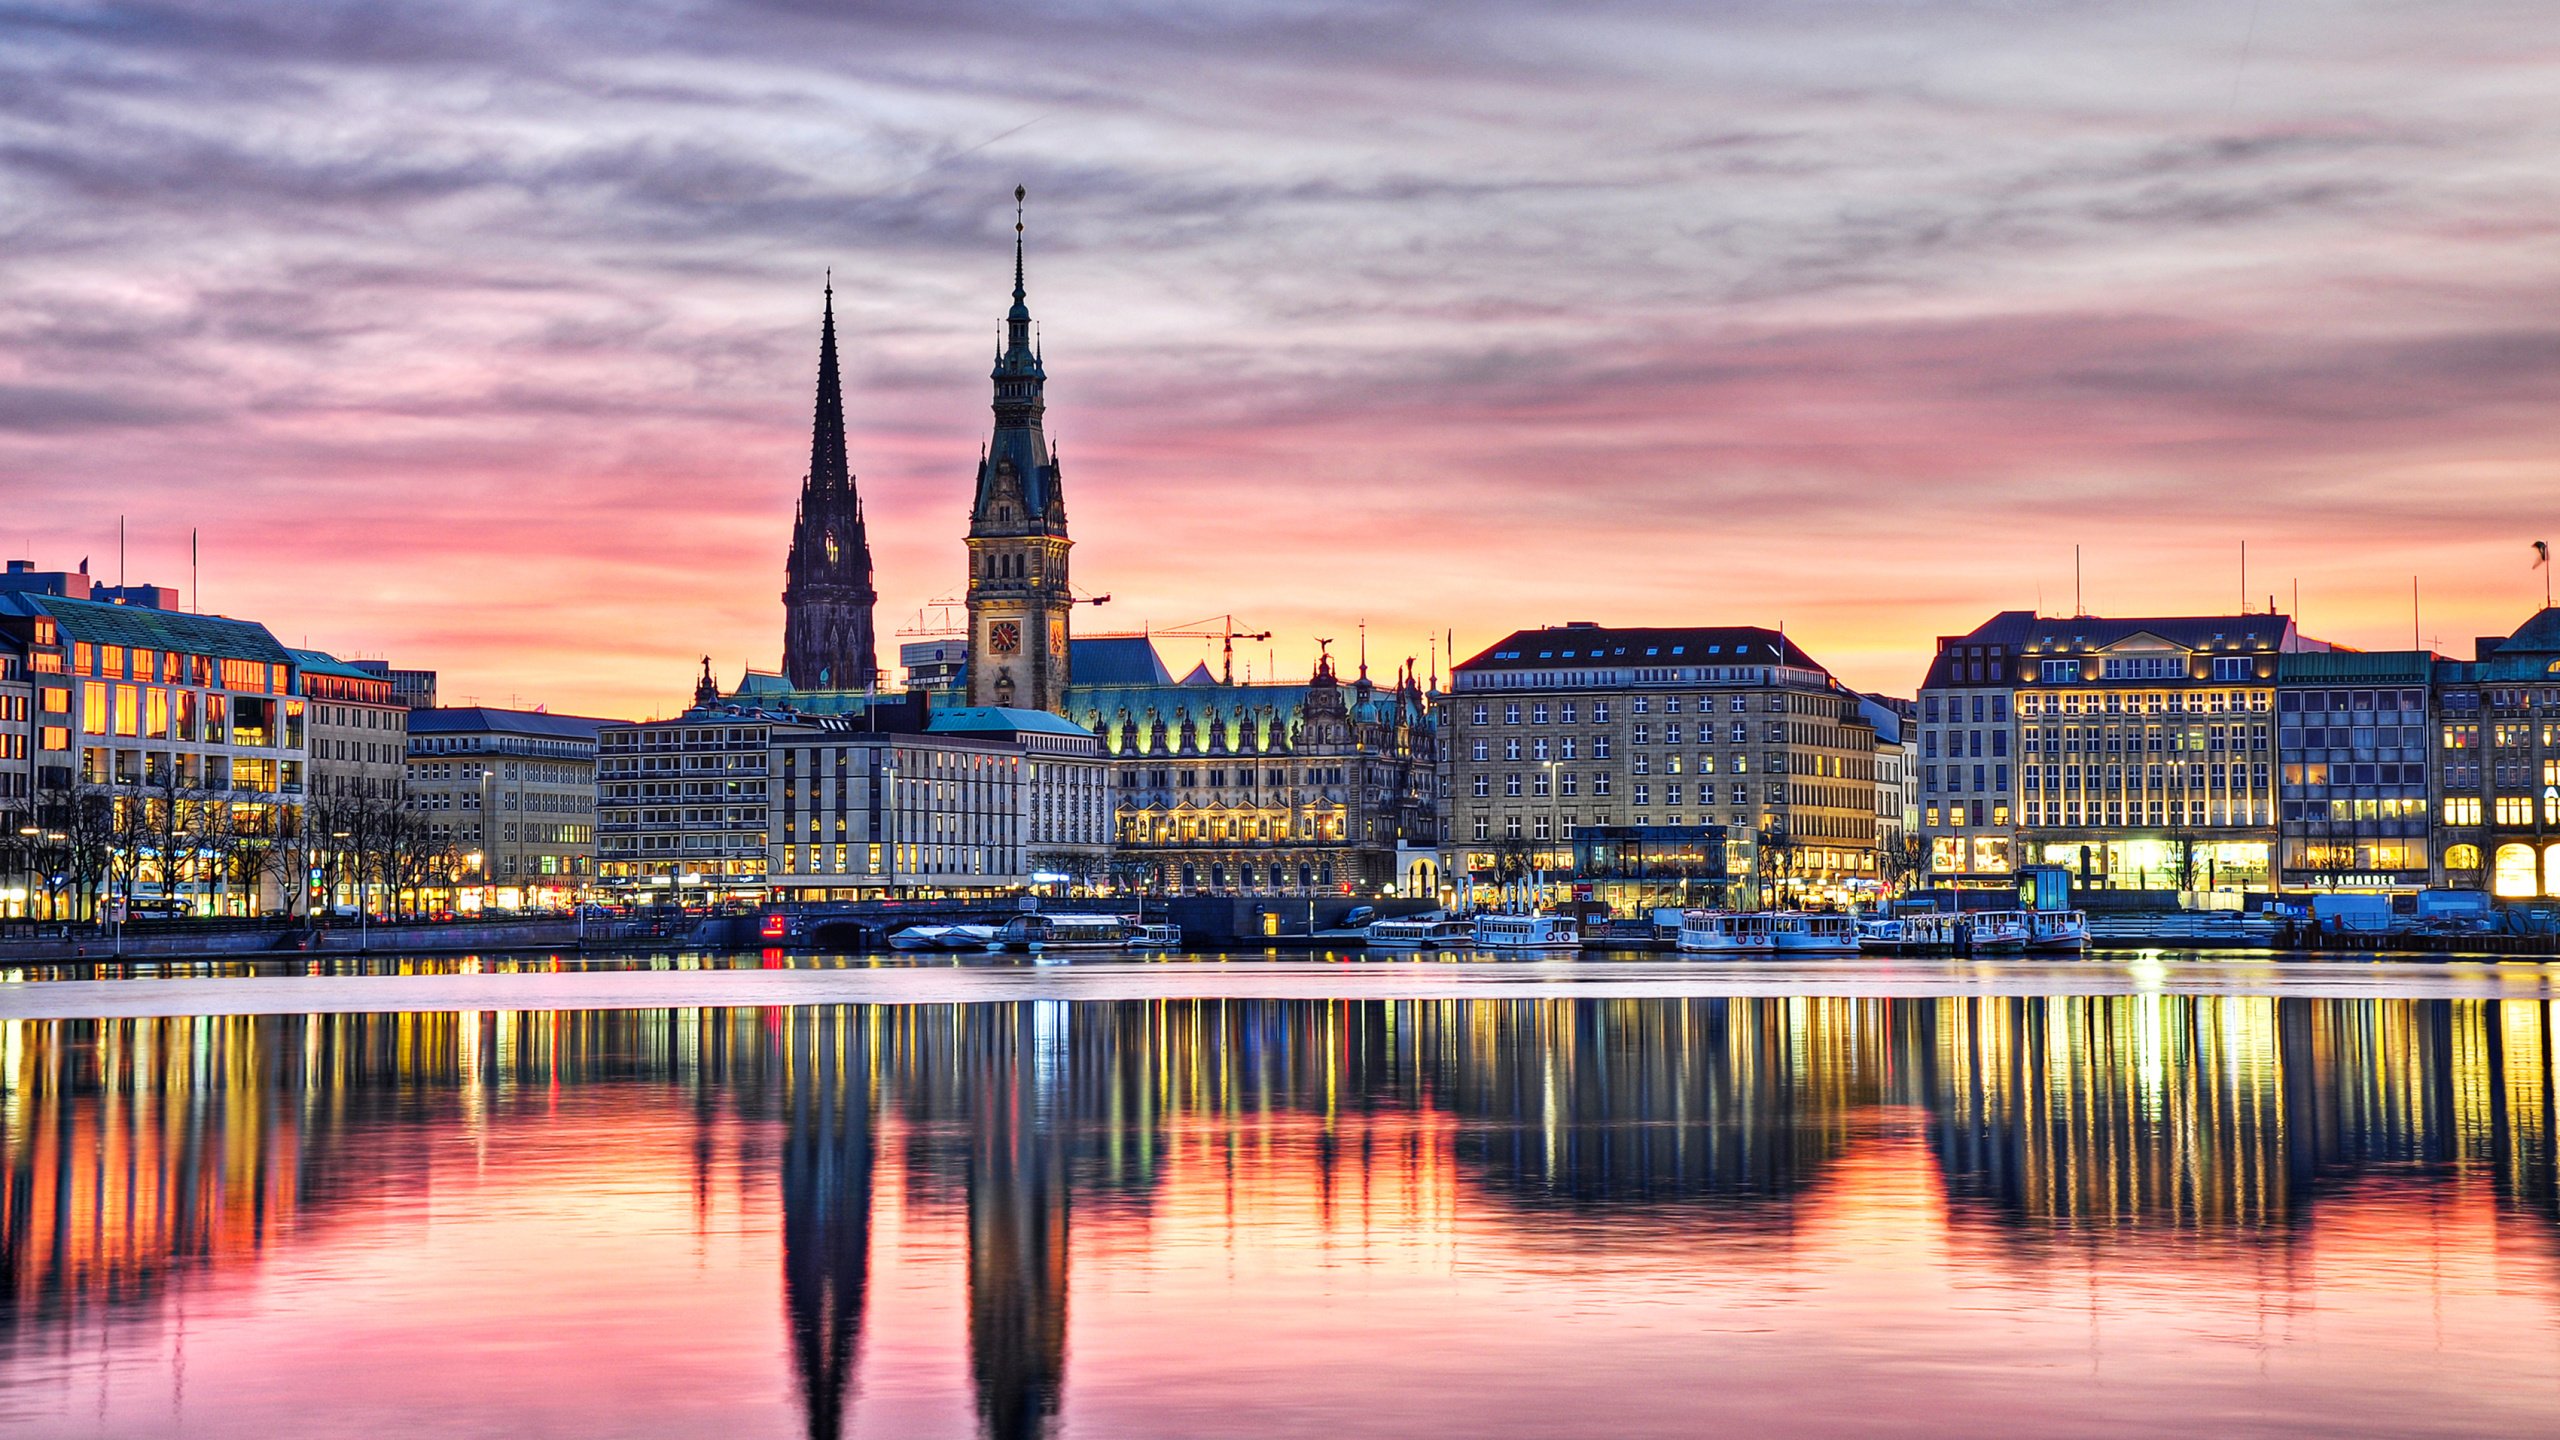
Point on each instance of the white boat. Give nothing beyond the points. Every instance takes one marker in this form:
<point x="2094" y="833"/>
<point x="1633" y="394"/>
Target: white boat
<point x="1527" y="932"/>
<point x="1923" y="933"/>
<point x="1721" y="932"/>
<point x="1042" y="933"/>
<point x="1156" y="937"/>
<point x="1995" y="932"/>
<point x="969" y="937"/>
<point x="1806" y="934"/>
<point x="1416" y="933"/>
<point x="2057" y="930"/>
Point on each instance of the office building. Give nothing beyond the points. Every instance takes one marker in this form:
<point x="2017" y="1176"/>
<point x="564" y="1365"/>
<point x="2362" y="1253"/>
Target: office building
<point x="1734" y="727"/>
<point x="513" y="794"/>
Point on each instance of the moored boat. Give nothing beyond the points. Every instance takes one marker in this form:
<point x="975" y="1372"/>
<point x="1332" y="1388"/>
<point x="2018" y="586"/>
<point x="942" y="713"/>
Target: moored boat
<point x="1722" y="932"/>
<point x="1527" y="932"/>
<point x="1155" y="937"/>
<point x="1041" y="933"/>
<point x="1421" y="933"/>
<point x="1810" y="934"/>
<point x="2057" y="930"/>
<point x="1995" y="932"/>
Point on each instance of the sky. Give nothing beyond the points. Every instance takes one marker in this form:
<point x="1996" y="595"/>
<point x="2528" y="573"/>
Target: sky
<point x="482" y="337"/>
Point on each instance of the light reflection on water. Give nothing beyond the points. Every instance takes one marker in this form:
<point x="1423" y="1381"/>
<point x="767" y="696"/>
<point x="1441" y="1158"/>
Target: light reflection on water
<point x="1523" y="1217"/>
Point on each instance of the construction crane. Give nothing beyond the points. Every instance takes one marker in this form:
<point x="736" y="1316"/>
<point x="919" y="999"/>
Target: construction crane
<point x="1221" y="628"/>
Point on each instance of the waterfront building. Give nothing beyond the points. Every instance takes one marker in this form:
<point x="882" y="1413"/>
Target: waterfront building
<point x="167" y="751"/>
<point x="2142" y="750"/>
<point x="1018" y="598"/>
<point x="359" y="731"/>
<point x="2497" y="764"/>
<point x="1897" y="821"/>
<point x="2353" y="784"/>
<point x="1258" y="788"/>
<point x="828" y="598"/>
<point x="1735" y="727"/>
<point x="1067" y="821"/>
<point x="1967" y="767"/>
<point x="861" y="813"/>
<point x="512" y="793"/>
<point x="853" y="797"/>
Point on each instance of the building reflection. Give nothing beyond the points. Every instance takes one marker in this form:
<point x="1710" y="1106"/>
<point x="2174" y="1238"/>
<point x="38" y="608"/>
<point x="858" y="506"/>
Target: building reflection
<point x="142" y="1155"/>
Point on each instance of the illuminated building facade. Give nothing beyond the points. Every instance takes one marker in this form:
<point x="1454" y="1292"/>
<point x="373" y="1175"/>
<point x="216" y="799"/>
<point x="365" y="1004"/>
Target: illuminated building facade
<point x="166" y="751"/>
<point x="828" y="597"/>
<point x="1254" y="788"/>
<point x="1735" y="727"/>
<point x="513" y="793"/>
<point x="2137" y="753"/>
<point x="2352" y="740"/>
<point x="2497" y="764"/>
<point x="684" y="806"/>
<point x="359" y="731"/>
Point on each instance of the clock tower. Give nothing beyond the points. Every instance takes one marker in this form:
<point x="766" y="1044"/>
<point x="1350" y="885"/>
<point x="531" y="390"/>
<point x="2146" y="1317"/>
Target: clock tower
<point x="1018" y="599"/>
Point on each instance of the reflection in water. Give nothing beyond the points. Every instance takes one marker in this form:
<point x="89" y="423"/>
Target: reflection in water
<point x="1149" y="1140"/>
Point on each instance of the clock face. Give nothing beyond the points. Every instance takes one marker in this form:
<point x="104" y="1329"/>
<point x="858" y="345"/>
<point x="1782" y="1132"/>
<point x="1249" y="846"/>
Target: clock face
<point x="1005" y="637"/>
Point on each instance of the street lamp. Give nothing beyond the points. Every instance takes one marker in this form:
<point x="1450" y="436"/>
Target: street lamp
<point x="1555" y="809"/>
<point x="488" y="849"/>
<point x="364" y="912"/>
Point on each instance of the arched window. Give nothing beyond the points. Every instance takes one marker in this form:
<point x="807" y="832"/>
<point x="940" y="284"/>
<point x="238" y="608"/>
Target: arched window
<point x="1218" y="876"/>
<point x="2462" y="857"/>
<point x="2515" y="877"/>
<point x="1190" y="877"/>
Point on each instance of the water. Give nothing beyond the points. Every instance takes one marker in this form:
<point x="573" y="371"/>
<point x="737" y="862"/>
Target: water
<point x="2280" y="1205"/>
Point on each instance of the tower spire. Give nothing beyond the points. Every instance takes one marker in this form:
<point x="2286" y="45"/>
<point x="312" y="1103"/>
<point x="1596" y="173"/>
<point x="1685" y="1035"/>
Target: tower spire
<point x="1020" y="310"/>
<point x="827" y="467"/>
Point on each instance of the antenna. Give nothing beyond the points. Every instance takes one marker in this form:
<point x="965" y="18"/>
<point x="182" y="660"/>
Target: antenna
<point x="2078" y="610"/>
<point x="2414" y="642"/>
<point x="2244" y="578"/>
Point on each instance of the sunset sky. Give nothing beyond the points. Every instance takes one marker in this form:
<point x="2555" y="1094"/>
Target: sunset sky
<point x="482" y="336"/>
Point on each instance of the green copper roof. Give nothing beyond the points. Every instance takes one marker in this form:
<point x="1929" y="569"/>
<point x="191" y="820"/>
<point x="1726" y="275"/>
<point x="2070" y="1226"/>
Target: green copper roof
<point x="139" y="625"/>
<point x="971" y="719"/>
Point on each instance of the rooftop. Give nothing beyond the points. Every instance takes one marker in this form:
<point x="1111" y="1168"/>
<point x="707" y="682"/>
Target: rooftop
<point x="489" y="720"/>
<point x="139" y="626"/>
<point x="1586" y="644"/>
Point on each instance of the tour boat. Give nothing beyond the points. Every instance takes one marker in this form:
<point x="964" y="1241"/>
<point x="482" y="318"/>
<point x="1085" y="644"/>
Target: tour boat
<point x="1527" y="932"/>
<point x="1041" y="933"/>
<point x="1156" y="937"/>
<point x="1421" y="934"/>
<point x="1923" y="933"/>
<point x="1998" y="931"/>
<point x="2057" y="930"/>
<point x="1719" y="932"/>
<point x="1806" y="934"/>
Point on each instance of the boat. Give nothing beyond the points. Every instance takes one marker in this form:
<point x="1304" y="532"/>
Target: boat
<point x="1040" y="933"/>
<point x="1527" y="932"/>
<point x="1418" y="933"/>
<point x="1996" y="932"/>
<point x="1924" y="933"/>
<point x="958" y="938"/>
<point x="921" y="937"/>
<point x="1721" y="932"/>
<point x="1809" y="934"/>
<point x="2057" y="930"/>
<point x="1155" y="937"/>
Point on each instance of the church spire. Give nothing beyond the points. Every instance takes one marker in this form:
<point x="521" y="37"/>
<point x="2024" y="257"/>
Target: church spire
<point x="827" y="639"/>
<point x="827" y="467"/>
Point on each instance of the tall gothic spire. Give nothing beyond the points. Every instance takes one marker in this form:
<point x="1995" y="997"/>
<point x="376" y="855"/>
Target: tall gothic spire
<point x="827" y="598"/>
<point x="827" y="467"/>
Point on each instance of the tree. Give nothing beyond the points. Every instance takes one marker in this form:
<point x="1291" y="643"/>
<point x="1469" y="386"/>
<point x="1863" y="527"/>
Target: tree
<point x="1778" y="856"/>
<point x="2335" y="863"/>
<point x="1901" y="860"/>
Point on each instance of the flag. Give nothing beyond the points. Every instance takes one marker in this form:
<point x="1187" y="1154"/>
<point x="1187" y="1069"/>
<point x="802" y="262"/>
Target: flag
<point x="2541" y="553"/>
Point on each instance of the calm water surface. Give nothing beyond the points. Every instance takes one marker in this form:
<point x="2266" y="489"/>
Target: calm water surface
<point x="1754" y="1214"/>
